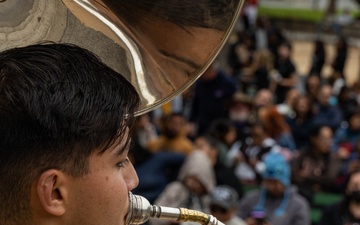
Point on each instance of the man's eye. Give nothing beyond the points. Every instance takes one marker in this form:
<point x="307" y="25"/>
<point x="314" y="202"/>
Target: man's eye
<point x="122" y="163"/>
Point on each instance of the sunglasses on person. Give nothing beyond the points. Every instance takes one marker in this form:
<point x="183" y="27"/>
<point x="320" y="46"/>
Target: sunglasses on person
<point x="216" y="208"/>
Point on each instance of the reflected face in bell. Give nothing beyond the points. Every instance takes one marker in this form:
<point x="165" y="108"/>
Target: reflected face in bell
<point x="180" y="52"/>
<point x="101" y="196"/>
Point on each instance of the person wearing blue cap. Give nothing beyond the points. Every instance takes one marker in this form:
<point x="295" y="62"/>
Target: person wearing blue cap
<point x="276" y="202"/>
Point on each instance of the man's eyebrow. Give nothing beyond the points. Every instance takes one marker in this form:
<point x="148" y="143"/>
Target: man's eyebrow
<point x="181" y="59"/>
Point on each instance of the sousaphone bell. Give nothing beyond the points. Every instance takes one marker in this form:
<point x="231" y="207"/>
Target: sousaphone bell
<point x="160" y="46"/>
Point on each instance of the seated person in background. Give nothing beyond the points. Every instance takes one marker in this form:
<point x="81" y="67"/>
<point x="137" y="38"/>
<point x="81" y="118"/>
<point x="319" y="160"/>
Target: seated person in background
<point x="346" y="211"/>
<point x="351" y="132"/>
<point x="317" y="166"/>
<point x="223" y="205"/>
<point x="287" y="107"/>
<point x="173" y="136"/>
<point x="325" y="111"/>
<point x="240" y="109"/>
<point x="345" y="140"/>
<point x="347" y="102"/>
<point x="263" y="98"/>
<point x="354" y="160"/>
<point x="224" y="132"/>
<point x="337" y="82"/>
<point x="286" y="76"/>
<point x="156" y="172"/>
<point x="191" y="190"/>
<point x="277" y="127"/>
<point x="211" y="92"/>
<point x="312" y="86"/>
<point x="276" y="200"/>
<point x="144" y="131"/>
<point x="342" y="19"/>
<point x="224" y="175"/>
<point x="262" y="67"/>
<point x="355" y="89"/>
<point x="301" y="122"/>
<point x="245" y="157"/>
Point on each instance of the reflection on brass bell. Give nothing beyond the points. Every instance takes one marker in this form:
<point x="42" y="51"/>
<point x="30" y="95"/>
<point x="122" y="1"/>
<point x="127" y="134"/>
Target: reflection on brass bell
<point x="160" y="46"/>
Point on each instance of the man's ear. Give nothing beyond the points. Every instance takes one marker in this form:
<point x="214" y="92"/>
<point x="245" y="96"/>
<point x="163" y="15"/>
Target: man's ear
<point x="52" y="192"/>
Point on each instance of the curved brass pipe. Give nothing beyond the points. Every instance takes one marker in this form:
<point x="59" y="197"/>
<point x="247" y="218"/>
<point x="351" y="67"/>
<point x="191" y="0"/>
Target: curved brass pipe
<point x="141" y="211"/>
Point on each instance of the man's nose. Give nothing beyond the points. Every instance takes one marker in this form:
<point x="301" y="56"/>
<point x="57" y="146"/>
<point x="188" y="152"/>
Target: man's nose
<point x="131" y="179"/>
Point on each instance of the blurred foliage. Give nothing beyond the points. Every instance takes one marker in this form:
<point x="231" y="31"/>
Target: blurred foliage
<point x="309" y="15"/>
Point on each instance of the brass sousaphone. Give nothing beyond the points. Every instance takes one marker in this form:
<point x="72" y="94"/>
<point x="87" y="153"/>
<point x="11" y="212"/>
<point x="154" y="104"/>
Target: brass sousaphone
<point x="160" y="46"/>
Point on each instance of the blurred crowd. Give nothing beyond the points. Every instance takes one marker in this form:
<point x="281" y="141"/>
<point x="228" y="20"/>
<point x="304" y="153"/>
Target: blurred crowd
<point x="259" y="123"/>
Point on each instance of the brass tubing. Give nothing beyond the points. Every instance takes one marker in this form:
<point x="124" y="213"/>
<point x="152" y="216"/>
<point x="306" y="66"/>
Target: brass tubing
<point x="141" y="211"/>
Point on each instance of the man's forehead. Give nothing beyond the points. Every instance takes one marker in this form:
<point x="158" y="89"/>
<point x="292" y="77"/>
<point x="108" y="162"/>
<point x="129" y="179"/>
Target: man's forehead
<point x="121" y="143"/>
<point x="124" y="147"/>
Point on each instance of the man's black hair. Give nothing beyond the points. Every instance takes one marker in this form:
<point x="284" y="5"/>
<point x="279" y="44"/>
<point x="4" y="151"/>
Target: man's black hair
<point x="58" y="105"/>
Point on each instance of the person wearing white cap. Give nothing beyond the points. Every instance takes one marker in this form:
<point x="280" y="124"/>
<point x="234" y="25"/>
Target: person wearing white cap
<point x="224" y="204"/>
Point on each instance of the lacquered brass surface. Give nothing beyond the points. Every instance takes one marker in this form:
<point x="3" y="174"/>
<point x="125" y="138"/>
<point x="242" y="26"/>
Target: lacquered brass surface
<point x="141" y="211"/>
<point x="193" y="215"/>
<point x="160" y="46"/>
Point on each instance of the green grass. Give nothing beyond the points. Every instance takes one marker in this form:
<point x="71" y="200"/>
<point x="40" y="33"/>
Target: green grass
<point x="315" y="215"/>
<point x="325" y="199"/>
<point x="296" y="14"/>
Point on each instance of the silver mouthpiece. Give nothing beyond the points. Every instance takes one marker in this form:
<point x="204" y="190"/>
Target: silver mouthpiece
<point x="140" y="210"/>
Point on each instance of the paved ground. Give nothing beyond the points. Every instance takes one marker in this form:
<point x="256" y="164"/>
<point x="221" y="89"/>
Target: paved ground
<point x="302" y="50"/>
<point x="302" y="42"/>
